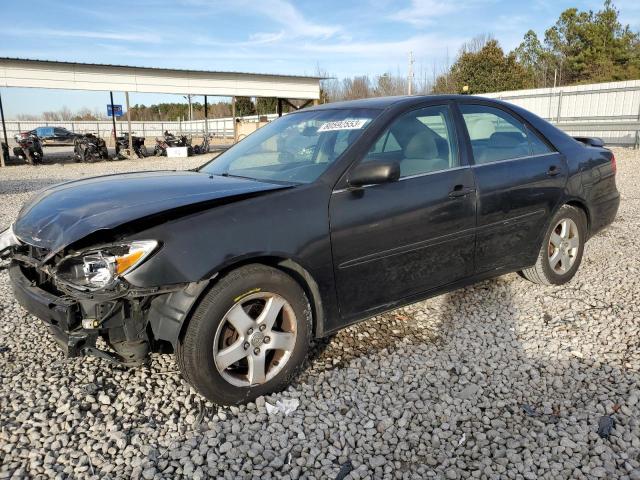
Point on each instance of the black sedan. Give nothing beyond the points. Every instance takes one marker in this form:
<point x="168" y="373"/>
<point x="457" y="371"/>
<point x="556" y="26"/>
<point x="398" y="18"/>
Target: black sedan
<point x="318" y="220"/>
<point x="51" y="135"/>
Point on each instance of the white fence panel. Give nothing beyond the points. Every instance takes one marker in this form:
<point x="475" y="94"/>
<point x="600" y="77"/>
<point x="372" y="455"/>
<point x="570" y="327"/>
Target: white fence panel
<point x="600" y="105"/>
<point x="219" y="127"/>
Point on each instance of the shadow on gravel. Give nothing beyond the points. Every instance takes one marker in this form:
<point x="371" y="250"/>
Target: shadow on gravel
<point x="511" y="391"/>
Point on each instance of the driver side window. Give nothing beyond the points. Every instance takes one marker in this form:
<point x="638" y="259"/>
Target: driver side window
<point x="421" y="141"/>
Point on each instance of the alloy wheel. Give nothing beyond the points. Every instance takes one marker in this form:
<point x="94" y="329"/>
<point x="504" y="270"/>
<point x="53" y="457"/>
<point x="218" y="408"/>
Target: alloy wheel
<point x="255" y="339"/>
<point x="564" y="243"/>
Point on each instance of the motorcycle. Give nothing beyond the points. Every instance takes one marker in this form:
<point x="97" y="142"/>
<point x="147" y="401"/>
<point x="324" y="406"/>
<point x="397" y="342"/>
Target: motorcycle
<point x="203" y="147"/>
<point x="29" y="149"/>
<point x="170" y="140"/>
<point x="89" y="148"/>
<point x="122" y="143"/>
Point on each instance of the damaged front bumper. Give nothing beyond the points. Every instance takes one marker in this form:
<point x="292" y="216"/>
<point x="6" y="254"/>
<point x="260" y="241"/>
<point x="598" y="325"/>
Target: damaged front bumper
<point x="61" y="315"/>
<point x="132" y="325"/>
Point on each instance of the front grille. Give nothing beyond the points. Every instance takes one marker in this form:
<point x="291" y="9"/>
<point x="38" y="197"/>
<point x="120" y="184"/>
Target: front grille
<point x="29" y="256"/>
<point x="37" y="253"/>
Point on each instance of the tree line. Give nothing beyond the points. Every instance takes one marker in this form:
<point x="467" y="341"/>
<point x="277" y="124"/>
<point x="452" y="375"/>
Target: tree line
<point x="581" y="47"/>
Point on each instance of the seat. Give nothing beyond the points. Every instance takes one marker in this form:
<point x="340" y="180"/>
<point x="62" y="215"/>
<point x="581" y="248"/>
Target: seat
<point x="421" y="155"/>
<point x="504" y="146"/>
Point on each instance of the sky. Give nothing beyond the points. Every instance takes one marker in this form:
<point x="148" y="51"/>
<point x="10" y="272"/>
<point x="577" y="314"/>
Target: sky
<point x="335" y="37"/>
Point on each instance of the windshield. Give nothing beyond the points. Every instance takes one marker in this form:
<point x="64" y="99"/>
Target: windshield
<point x="296" y="148"/>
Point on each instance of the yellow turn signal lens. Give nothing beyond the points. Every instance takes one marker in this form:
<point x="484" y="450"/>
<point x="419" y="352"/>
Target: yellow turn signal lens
<point x="125" y="262"/>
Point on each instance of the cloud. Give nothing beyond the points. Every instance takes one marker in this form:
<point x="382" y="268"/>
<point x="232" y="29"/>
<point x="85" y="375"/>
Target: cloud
<point x="117" y="36"/>
<point x="261" y="38"/>
<point x="286" y="14"/>
<point x="427" y="44"/>
<point x="282" y="12"/>
<point x="423" y="12"/>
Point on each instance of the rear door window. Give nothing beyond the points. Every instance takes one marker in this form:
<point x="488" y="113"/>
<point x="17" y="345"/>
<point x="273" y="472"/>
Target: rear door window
<point x="497" y="135"/>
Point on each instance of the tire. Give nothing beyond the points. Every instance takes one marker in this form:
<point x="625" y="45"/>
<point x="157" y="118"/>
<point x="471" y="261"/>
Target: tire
<point x="142" y="151"/>
<point x="549" y="268"/>
<point x="247" y="288"/>
<point x="87" y="156"/>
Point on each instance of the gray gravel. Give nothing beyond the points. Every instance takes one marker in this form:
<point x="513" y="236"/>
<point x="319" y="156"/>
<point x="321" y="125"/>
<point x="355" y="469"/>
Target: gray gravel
<point x="504" y="379"/>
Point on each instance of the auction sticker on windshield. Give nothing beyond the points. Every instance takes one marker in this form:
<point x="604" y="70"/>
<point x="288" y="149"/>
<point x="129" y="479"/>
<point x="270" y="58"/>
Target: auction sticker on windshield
<point x="350" y="124"/>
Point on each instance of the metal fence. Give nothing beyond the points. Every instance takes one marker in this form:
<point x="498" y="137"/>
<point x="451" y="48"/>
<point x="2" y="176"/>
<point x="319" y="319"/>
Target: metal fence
<point x="607" y="110"/>
<point x="219" y="127"/>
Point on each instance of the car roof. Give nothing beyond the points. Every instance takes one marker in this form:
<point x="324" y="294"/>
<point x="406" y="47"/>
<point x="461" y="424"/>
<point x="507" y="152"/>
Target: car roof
<point x="385" y="102"/>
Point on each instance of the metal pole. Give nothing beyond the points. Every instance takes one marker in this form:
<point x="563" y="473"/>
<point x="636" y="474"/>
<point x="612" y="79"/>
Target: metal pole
<point x="637" y="145"/>
<point x="206" y="117"/>
<point x="559" y="106"/>
<point x="126" y="96"/>
<point x="410" y="74"/>
<point x="233" y="114"/>
<point x="113" y="119"/>
<point x="4" y="131"/>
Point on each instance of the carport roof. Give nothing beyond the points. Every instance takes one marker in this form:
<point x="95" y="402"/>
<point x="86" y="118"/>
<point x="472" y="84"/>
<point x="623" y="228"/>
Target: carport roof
<point x="32" y="73"/>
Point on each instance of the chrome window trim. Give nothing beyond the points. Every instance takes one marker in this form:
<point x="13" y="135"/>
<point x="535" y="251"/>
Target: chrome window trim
<point x="514" y="159"/>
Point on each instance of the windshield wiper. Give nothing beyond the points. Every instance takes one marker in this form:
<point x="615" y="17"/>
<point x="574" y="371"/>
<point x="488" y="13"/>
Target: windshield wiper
<point x="227" y="174"/>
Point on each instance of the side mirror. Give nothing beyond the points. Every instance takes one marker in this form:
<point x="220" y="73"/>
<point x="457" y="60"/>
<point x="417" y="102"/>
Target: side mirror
<point x="374" y="173"/>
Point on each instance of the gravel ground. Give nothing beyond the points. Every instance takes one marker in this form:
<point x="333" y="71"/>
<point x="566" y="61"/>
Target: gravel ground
<point x="504" y="379"/>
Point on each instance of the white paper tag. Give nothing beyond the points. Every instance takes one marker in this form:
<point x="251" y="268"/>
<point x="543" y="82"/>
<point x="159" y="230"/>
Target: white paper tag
<point x="349" y="124"/>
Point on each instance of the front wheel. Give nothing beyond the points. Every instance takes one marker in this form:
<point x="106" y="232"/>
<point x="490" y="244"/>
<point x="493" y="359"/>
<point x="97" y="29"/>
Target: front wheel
<point x="562" y="248"/>
<point x="249" y="336"/>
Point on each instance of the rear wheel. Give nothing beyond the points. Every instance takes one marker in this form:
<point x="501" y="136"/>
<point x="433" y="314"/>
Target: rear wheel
<point x="562" y="248"/>
<point x="249" y="336"/>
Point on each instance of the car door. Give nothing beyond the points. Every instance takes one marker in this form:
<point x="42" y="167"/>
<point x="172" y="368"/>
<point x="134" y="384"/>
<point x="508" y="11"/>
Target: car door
<point x="520" y="179"/>
<point x="62" y="135"/>
<point x="396" y="240"/>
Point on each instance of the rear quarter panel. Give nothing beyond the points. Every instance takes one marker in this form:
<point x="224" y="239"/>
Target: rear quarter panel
<point x="591" y="179"/>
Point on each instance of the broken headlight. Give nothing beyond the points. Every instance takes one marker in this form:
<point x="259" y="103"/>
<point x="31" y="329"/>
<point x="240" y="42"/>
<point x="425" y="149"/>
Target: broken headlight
<point x="99" y="268"/>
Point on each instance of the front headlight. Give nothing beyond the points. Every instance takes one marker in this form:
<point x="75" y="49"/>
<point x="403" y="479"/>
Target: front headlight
<point x="99" y="268"/>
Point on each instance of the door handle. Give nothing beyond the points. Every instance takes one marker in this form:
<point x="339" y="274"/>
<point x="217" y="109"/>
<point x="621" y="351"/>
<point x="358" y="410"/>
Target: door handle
<point x="553" y="170"/>
<point x="460" y="191"/>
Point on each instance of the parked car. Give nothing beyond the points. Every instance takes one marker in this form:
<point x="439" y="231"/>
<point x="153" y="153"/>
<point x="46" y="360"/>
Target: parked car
<point x="323" y="218"/>
<point x="51" y="135"/>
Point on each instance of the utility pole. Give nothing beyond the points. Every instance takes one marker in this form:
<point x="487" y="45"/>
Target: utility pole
<point x="113" y="120"/>
<point x="188" y="97"/>
<point x="410" y="74"/>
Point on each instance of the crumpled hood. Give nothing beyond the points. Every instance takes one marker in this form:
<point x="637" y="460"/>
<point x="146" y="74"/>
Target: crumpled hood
<point x="65" y="213"/>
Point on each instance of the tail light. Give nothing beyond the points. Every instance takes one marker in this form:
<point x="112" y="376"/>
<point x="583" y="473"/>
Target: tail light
<point x="614" y="165"/>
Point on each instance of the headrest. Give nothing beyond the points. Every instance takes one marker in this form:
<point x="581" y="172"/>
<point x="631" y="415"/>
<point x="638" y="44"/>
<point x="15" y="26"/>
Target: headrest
<point x="506" y="139"/>
<point x="421" y="145"/>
